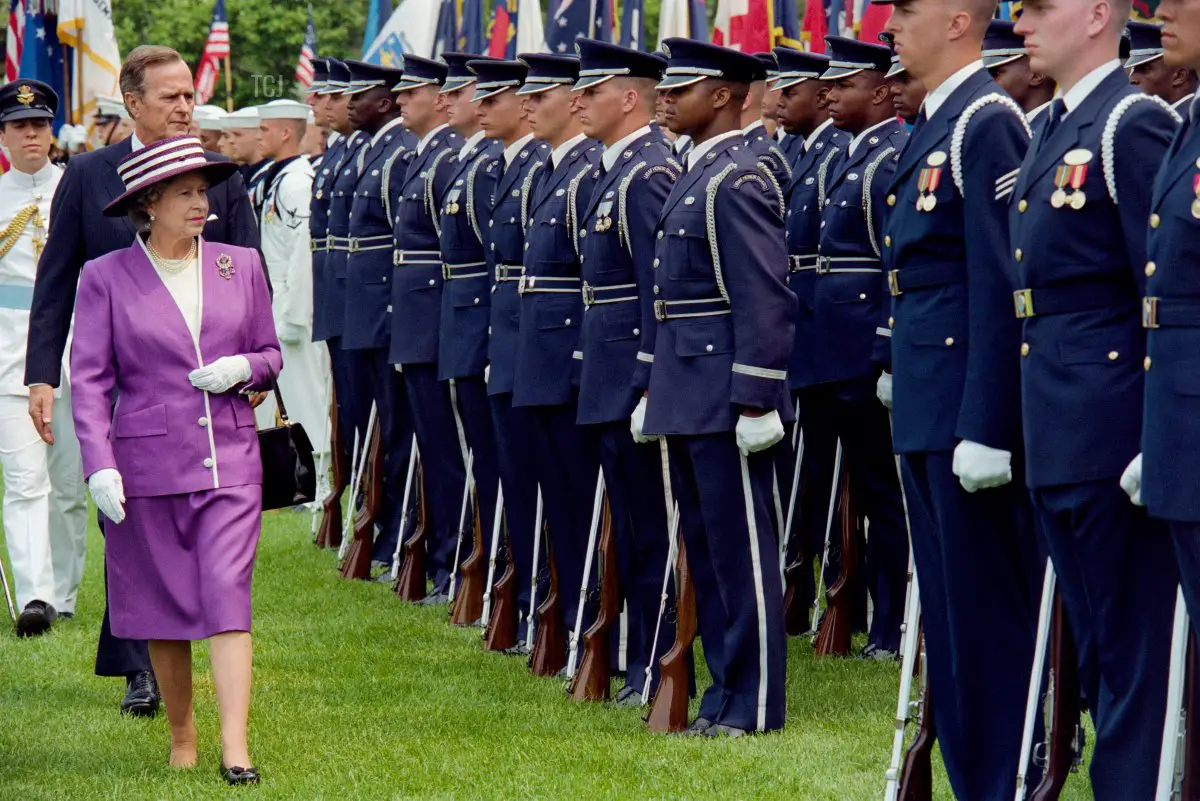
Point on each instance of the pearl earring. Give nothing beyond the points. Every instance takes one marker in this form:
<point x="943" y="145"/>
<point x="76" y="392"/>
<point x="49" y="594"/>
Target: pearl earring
<point x="151" y="218"/>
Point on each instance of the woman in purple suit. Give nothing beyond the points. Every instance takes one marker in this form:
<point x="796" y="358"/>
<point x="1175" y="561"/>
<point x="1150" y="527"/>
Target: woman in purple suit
<point x="180" y="330"/>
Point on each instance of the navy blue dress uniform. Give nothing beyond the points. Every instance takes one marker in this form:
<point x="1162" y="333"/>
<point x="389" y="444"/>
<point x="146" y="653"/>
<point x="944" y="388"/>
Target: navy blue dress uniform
<point x="545" y="371"/>
<point x="1078" y="218"/>
<point x="760" y="141"/>
<point x="956" y="383"/>
<point x="848" y="291"/>
<point x="416" y="184"/>
<point x="616" y="259"/>
<point x="367" y="326"/>
<point x="515" y="169"/>
<point x="1170" y="438"/>
<point x="725" y="321"/>
<point x="805" y="193"/>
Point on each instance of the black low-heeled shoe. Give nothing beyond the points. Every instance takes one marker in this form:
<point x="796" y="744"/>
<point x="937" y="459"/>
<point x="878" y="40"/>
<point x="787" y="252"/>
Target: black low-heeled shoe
<point x="236" y="775"/>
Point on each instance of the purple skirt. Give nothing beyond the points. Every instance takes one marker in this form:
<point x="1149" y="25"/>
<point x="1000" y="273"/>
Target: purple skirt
<point x="180" y="566"/>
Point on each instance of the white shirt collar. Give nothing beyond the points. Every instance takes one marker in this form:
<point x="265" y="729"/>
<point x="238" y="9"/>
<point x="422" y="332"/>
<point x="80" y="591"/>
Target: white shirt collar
<point x="334" y="138"/>
<point x="389" y="125"/>
<point x="858" y="139"/>
<point x="425" y="139"/>
<point x="708" y="144"/>
<point x="31" y="180"/>
<point x="613" y="152"/>
<point x="471" y="142"/>
<point x="681" y="142"/>
<point x="560" y="152"/>
<point x="780" y="134"/>
<point x="1088" y="83"/>
<point x="512" y="150"/>
<point x="749" y="129"/>
<point x="811" y="139"/>
<point x="935" y="99"/>
<point x="1182" y="103"/>
<point x="135" y="144"/>
<point x="1033" y="115"/>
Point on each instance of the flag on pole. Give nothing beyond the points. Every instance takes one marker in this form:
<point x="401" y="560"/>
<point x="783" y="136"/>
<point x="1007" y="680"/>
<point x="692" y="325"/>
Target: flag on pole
<point x="814" y="29"/>
<point x="531" y="36"/>
<point x="87" y="26"/>
<point x="685" y="19"/>
<point x="14" y="39"/>
<point x="870" y="20"/>
<point x="470" y="27"/>
<point x="408" y="30"/>
<point x="374" y="20"/>
<point x="446" y="35"/>
<point x="570" y="19"/>
<point x="216" y="47"/>
<point x="42" y="56"/>
<point x="308" y="50"/>
<point x="743" y="25"/>
<point x="633" y="24"/>
<point x="787" y="24"/>
<point x="502" y="36"/>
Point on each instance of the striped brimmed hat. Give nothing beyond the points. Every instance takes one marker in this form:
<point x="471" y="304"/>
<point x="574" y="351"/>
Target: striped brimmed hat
<point x="162" y="161"/>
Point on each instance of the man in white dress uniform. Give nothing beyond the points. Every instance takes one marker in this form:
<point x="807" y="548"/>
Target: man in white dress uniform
<point x="45" y="509"/>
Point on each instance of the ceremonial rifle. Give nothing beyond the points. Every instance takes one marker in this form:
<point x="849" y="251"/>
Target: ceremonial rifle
<point x="577" y="630"/>
<point x="358" y="463"/>
<point x="462" y="526"/>
<point x="410" y="582"/>
<point x="1171" y="770"/>
<point x="548" y="656"/>
<point x="592" y="681"/>
<point x="357" y="564"/>
<point x="669" y="709"/>
<point x="916" y="774"/>
<point x="500" y="612"/>
<point x="833" y="492"/>
<point x="662" y="602"/>
<point x="329" y="533"/>
<point x="468" y="606"/>
<point x="531" y="621"/>
<point x="833" y="633"/>
<point x="493" y="555"/>
<point x="909" y="647"/>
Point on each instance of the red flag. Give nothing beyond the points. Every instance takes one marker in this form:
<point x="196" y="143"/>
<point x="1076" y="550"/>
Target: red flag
<point x="874" y="19"/>
<point x="743" y="25"/>
<point x="216" y="47"/>
<point x="814" y="29"/>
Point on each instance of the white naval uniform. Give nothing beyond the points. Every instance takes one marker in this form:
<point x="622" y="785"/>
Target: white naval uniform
<point x="285" y="246"/>
<point x="45" y="507"/>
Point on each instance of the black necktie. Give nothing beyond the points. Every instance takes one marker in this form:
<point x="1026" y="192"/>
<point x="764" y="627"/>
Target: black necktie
<point x="1057" y="110"/>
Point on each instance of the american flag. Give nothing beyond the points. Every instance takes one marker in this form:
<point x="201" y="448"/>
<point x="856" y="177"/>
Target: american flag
<point x="14" y="40"/>
<point x="215" y="49"/>
<point x="304" y="68"/>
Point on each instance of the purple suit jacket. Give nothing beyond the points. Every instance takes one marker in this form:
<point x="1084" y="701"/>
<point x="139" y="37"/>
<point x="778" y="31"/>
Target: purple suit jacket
<point x="165" y="436"/>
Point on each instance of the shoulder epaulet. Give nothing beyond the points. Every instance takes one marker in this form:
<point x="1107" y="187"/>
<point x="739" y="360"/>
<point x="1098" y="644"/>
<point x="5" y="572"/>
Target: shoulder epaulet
<point x="384" y="189"/>
<point x="572" y="211"/>
<point x="710" y="219"/>
<point x="430" y="200"/>
<point x="1108" y="138"/>
<point x="959" y="136"/>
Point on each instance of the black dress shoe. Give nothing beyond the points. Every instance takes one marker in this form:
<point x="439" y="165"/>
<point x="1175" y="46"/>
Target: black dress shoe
<point x="867" y="650"/>
<point x="141" y="696"/>
<point x="721" y="730"/>
<point x="437" y="599"/>
<point x="520" y="649"/>
<point x="35" y="619"/>
<point x="628" y="697"/>
<point x="236" y="775"/>
<point x="883" y="655"/>
<point x="697" y="729"/>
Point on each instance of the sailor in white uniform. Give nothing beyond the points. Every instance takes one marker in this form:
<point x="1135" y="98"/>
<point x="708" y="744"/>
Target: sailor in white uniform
<point x="45" y="509"/>
<point x="285" y="245"/>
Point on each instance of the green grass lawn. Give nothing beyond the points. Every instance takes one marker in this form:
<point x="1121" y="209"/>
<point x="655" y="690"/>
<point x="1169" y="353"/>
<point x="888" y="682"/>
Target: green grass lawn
<point x="358" y="695"/>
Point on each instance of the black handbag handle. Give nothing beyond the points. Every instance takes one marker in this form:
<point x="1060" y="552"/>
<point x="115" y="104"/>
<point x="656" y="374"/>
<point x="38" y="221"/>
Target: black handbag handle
<point x="283" y="415"/>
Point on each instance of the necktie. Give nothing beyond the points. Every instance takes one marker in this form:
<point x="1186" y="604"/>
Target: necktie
<point x="1058" y="110"/>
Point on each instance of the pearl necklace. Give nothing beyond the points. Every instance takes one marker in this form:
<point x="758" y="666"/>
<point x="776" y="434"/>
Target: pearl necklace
<point x="172" y="266"/>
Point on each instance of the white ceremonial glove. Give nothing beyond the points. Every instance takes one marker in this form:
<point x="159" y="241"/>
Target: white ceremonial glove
<point x="487" y="372"/>
<point x="399" y="368"/>
<point x="221" y="375"/>
<point x="980" y="467"/>
<point x="1131" y="481"/>
<point x="290" y="333"/>
<point x="108" y="491"/>
<point x="756" y="434"/>
<point x="637" y="421"/>
<point x="883" y="389"/>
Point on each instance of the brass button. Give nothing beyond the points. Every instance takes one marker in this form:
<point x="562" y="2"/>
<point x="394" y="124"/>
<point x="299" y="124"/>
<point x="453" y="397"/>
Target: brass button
<point x="891" y="322"/>
<point x="1024" y="348"/>
<point x="1024" y="204"/>
<point x="891" y="201"/>
<point x="1146" y="363"/>
<point x="887" y="241"/>
<point x="1018" y="254"/>
<point x="1150" y="268"/>
<point x="1112" y="355"/>
<point x="1155" y="220"/>
<point x="949" y="340"/>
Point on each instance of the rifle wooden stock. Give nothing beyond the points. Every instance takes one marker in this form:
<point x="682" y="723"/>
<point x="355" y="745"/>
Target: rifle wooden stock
<point x="669" y="709"/>
<point x="1063" y="690"/>
<point x="916" y="774"/>
<point x="549" y="654"/>
<point x="410" y="583"/>
<point x="501" y="633"/>
<point x="329" y="534"/>
<point x="795" y="606"/>
<point x="357" y="564"/>
<point x="1190" y="784"/>
<point x="833" y="634"/>
<point x="468" y="603"/>
<point x="592" y="681"/>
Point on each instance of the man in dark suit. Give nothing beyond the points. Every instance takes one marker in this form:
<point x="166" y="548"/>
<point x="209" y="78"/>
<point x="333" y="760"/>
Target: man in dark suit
<point x="156" y="86"/>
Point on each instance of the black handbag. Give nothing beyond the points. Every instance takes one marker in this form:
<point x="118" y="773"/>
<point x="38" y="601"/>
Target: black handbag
<point x="289" y="474"/>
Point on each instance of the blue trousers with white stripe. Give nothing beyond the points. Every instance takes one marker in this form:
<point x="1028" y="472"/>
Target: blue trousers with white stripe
<point x="513" y="428"/>
<point x="726" y="509"/>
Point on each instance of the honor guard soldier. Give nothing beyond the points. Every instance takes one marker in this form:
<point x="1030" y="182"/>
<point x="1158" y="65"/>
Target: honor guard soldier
<point x="1078" y="224"/>
<point x="804" y="114"/>
<point x="616" y="91"/>
<point x="956" y="423"/>
<point x="1005" y="58"/>
<point x="718" y="384"/>
<point x="545" y="370"/>
<point x="907" y="96"/>
<point x="416" y="183"/>
<point x="285" y="244"/>
<point x="367" y="326"/>
<point x="502" y="117"/>
<point x="45" y="510"/>
<point x="466" y="306"/>
<point x="1149" y="72"/>
<point x="762" y="142"/>
<point x="791" y="146"/>
<point x="848" y="304"/>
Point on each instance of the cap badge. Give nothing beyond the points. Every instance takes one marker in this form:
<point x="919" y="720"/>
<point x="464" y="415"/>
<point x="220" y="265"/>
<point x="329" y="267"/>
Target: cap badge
<point x="25" y="95"/>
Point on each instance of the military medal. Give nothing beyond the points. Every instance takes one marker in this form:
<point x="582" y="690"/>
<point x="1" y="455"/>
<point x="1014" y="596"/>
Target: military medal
<point x="1078" y="176"/>
<point x="452" y="202"/>
<point x="603" y="218"/>
<point x="225" y="266"/>
<point x="1058" y="198"/>
<point x="1074" y="173"/>
<point x="927" y="184"/>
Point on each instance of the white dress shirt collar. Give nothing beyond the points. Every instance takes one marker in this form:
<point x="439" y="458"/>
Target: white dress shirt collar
<point x="613" y="152"/>
<point x="812" y="138"/>
<point x="1033" y="115"/>
<point x="473" y="140"/>
<point x="699" y="150"/>
<point x="30" y="180"/>
<point x="425" y="139"/>
<point x="938" y="96"/>
<point x="749" y="129"/>
<point x="512" y="150"/>
<point x="1088" y="83"/>
<point x="135" y="144"/>
<point x="389" y="125"/>
<point x="1181" y="105"/>
<point x="560" y="152"/>
<point x="854" y="143"/>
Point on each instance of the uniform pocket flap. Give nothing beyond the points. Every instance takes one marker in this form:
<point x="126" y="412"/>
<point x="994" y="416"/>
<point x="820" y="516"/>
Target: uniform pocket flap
<point x="565" y="313"/>
<point x="1097" y="350"/>
<point x="622" y="322"/>
<point x="148" y="422"/>
<point x="703" y="340"/>
<point x="940" y="331"/>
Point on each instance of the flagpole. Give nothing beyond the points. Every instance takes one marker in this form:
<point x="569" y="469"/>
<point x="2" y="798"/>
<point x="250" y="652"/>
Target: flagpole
<point x="67" y="87"/>
<point x="228" y="86"/>
<point x="78" y="99"/>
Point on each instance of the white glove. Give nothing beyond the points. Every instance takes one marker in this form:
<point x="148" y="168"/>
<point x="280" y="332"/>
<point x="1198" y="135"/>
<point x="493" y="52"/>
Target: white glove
<point x="980" y="467"/>
<point x="221" y="375"/>
<point x="756" y="434"/>
<point x="290" y="333"/>
<point x="637" y="421"/>
<point x="487" y="372"/>
<point x="399" y="368"/>
<point x="883" y="389"/>
<point x="108" y="491"/>
<point x="1131" y="481"/>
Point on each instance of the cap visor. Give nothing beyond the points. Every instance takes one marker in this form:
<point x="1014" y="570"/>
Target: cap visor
<point x="998" y="61"/>
<point x="484" y="94"/>
<point x="455" y="84"/>
<point x="788" y="83"/>
<point x="679" y="81"/>
<point x="408" y="86"/>
<point x="589" y="81"/>
<point x="215" y="172"/>
<point x="1139" y="60"/>
<point x="896" y="70"/>
<point x="356" y="90"/>
<point x="837" y="73"/>
<point x="27" y="114"/>
<point x="537" y="88"/>
<point x="333" y="88"/>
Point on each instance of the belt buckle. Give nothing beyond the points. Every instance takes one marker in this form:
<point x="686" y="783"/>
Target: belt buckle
<point x="589" y="294"/>
<point x="446" y="272"/>
<point x="395" y="258"/>
<point x="1023" y="303"/>
<point x="1150" y="312"/>
<point x="894" y="283"/>
<point x="660" y="310"/>
<point x="353" y="245"/>
<point x="823" y="265"/>
<point x="524" y="283"/>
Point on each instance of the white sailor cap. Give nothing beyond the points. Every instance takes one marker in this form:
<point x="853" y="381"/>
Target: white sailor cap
<point x="111" y="107"/>
<point x="210" y="118"/>
<point x="284" y="110"/>
<point x="242" y="118"/>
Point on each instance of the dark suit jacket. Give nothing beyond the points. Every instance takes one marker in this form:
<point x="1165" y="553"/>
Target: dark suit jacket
<point x="80" y="232"/>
